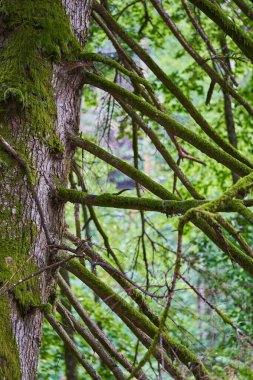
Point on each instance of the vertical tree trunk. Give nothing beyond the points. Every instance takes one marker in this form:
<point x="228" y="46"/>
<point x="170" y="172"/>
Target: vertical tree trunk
<point x="39" y="103"/>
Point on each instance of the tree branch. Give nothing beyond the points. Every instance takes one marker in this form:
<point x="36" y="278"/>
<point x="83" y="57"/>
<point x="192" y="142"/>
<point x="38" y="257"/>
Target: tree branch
<point x="93" y="342"/>
<point x="171" y="126"/>
<point x="163" y="77"/>
<point x="95" y="330"/>
<point x="124" y="167"/>
<point x="64" y="336"/>
<point x="125" y="312"/>
<point x="219" y="17"/>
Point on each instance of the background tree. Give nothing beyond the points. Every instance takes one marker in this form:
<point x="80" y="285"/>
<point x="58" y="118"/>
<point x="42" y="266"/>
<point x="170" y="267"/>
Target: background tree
<point x="148" y="278"/>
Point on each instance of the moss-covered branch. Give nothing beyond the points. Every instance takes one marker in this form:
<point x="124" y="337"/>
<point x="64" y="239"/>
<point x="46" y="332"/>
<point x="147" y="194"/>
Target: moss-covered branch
<point x="161" y="149"/>
<point x="242" y="39"/>
<point x="247" y="10"/>
<point x="215" y="77"/>
<point x="171" y="126"/>
<point x="127" y="312"/>
<point x="171" y="86"/>
<point x="172" y="207"/>
<point x="93" y="327"/>
<point x="94" y="57"/>
<point x="161" y="356"/>
<point x="91" y="340"/>
<point x="234" y="253"/>
<point x="168" y="207"/>
<point x="242" y="186"/>
<point x="70" y="343"/>
<point x="124" y="167"/>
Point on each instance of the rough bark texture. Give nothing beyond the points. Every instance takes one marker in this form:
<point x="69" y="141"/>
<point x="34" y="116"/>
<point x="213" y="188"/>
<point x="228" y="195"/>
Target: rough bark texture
<point x="40" y="139"/>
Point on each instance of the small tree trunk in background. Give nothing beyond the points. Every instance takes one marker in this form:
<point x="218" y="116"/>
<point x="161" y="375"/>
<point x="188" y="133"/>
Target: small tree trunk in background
<point x="39" y="103"/>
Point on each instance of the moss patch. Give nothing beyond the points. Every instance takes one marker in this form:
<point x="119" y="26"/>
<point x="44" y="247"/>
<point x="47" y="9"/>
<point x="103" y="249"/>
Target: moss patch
<point x="15" y="260"/>
<point x="9" y="358"/>
<point x="38" y="35"/>
<point x="15" y="248"/>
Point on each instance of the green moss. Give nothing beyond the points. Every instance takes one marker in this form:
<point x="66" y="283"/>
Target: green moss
<point x="9" y="358"/>
<point x="16" y="241"/>
<point x="138" y="176"/>
<point x="46" y="308"/>
<point x="240" y="37"/>
<point x="15" y="264"/>
<point x="91" y="57"/>
<point x="14" y="93"/>
<point x="170" y="125"/>
<point x="15" y="260"/>
<point x="38" y="36"/>
<point x="123" y="309"/>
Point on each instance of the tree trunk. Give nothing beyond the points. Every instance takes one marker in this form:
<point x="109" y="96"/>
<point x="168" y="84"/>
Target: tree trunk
<point x="39" y="104"/>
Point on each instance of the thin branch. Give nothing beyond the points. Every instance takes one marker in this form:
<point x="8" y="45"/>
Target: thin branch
<point x="242" y="39"/>
<point x="224" y="317"/>
<point x="96" y="221"/>
<point x="64" y="336"/>
<point x="163" y="77"/>
<point x="162" y="322"/>
<point x="95" y="330"/>
<point x="38" y="272"/>
<point x="91" y="340"/>
<point x="135" y="148"/>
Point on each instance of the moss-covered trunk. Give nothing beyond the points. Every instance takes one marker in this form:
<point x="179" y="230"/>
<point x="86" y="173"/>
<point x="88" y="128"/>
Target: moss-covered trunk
<point x="39" y="103"/>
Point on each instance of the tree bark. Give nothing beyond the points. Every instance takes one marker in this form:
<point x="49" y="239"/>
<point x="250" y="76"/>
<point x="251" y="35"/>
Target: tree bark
<point x="39" y="103"/>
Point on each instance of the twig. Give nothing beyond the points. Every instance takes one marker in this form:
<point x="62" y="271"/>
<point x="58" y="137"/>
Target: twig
<point x="64" y="336"/>
<point x="38" y="272"/>
<point x="218" y="311"/>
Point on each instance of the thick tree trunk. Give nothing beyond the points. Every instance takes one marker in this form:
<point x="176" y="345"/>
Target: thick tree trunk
<point x="39" y="104"/>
